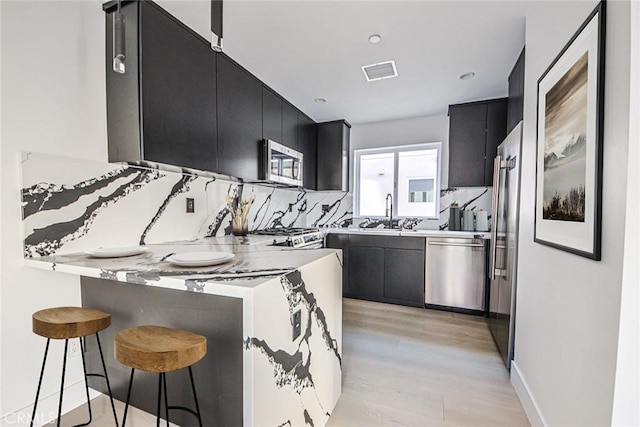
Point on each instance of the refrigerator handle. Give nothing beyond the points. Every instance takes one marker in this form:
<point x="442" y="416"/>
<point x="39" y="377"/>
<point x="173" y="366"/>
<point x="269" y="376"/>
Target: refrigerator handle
<point x="497" y="163"/>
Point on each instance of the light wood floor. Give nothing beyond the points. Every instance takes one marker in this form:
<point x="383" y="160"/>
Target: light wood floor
<point x="405" y="367"/>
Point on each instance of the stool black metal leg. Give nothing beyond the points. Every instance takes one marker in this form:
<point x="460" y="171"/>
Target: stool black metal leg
<point x="195" y="397"/>
<point x="64" y="368"/>
<point x="166" y="399"/>
<point x="126" y="406"/>
<point x="159" y="399"/>
<point x="106" y="377"/>
<point x="44" y="361"/>
<point x="86" y="385"/>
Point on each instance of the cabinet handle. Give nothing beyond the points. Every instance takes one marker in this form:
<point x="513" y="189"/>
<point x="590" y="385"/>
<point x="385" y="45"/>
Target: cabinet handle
<point x="466" y="245"/>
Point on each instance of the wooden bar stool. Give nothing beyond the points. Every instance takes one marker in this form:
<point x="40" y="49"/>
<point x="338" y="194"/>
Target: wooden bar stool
<point x="160" y="349"/>
<point x="67" y="323"/>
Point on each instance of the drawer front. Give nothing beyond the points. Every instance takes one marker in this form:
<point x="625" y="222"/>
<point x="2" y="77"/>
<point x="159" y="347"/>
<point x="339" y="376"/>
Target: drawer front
<point x="396" y="242"/>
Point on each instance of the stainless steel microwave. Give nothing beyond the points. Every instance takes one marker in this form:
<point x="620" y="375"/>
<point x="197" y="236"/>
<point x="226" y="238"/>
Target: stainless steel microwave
<point x="281" y="164"/>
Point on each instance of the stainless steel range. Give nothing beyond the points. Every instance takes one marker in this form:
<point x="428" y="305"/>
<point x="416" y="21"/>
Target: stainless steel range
<point x="307" y="238"/>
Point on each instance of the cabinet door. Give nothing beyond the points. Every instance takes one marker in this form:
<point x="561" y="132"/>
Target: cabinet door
<point x="178" y="94"/>
<point x="496" y="132"/>
<point x="404" y="276"/>
<point x="239" y="120"/>
<point x="516" y="94"/>
<point x="366" y="273"/>
<point x="341" y="241"/>
<point x="467" y="130"/>
<point x="308" y="146"/>
<point x="289" y="126"/>
<point x="271" y="116"/>
<point x="333" y="149"/>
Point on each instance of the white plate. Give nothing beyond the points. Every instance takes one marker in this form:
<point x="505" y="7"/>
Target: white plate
<point x="200" y="259"/>
<point x="117" y="252"/>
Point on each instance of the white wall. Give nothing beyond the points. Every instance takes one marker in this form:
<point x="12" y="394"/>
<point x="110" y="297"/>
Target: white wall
<point x="53" y="101"/>
<point x="626" y="411"/>
<point x="403" y="132"/>
<point x="568" y="307"/>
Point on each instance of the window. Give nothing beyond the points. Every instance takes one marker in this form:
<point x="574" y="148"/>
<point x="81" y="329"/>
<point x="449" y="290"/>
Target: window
<point x="411" y="174"/>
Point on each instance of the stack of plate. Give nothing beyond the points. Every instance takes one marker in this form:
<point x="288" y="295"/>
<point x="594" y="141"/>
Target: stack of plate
<point x="117" y="252"/>
<point x="200" y="259"/>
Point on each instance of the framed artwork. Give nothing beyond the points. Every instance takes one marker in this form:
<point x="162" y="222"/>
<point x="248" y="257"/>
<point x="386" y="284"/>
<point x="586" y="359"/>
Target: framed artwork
<point x="569" y="144"/>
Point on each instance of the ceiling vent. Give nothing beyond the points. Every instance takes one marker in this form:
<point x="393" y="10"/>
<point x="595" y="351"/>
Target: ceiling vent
<point x="380" y="71"/>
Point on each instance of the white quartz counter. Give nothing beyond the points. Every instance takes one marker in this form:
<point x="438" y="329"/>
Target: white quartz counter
<point x="255" y="263"/>
<point x="410" y="233"/>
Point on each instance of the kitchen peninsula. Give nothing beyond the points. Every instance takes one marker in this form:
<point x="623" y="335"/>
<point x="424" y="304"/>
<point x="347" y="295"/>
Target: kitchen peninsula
<point x="257" y="370"/>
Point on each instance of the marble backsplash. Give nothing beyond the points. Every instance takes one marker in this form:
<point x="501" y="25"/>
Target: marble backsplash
<point x="71" y="205"/>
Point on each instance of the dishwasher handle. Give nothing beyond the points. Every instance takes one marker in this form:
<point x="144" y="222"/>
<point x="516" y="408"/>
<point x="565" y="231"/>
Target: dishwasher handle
<point x="466" y="245"/>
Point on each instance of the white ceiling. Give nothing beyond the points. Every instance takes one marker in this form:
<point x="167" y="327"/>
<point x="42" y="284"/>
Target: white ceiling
<point x="314" y="49"/>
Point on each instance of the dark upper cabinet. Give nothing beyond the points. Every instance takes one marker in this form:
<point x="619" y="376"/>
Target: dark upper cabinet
<point x="290" y="126"/>
<point x="307" y="144"/>
<point x="239" y="120"/>
<point x="271" y="115"/>
<point x="162" y="110"/>
<point x="333" y="155"/>
<point x="515" y="111"/>
<point x="475" y="131"/>
<point x="496" y="132"/>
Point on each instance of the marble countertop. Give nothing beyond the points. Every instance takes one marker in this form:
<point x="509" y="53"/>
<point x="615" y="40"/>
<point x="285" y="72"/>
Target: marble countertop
<point x="410" y="233"/>
<point x="255" y="263"/>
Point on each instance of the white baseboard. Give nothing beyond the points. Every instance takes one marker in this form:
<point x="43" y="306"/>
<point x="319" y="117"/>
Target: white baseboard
<point x="74" y="396"/>
<point x="529" y="403"/>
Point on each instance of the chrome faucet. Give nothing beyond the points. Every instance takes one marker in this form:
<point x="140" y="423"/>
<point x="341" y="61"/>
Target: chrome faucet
<point x="388" y="205"/>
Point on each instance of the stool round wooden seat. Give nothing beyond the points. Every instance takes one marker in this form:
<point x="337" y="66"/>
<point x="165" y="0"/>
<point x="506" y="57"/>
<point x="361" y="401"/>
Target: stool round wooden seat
<point x="65" y="323"/>
<point x="69" y="322"/>
<point x="160" y="350"/>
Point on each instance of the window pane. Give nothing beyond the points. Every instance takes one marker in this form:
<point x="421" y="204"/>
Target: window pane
<point x="376" y="180"/>
<point x="417" y="183"/>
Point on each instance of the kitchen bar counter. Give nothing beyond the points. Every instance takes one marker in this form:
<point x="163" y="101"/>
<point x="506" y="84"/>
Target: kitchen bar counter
<point x="259" y="370"/>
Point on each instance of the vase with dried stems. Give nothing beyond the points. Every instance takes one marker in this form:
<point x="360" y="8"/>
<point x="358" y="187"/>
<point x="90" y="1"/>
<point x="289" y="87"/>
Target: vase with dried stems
<point x="239" y="212"/>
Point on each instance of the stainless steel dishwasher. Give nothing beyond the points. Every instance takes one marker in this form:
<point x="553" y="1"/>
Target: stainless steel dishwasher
<point x="455" y="273"/>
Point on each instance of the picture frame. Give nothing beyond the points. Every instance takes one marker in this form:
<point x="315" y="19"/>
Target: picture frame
<point x="570" y="125"/>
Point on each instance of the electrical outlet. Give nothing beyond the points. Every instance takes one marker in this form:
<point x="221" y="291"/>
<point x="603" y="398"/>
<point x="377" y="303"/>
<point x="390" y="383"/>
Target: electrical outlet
<point x="297" y="324"/>
<point x="191" y="205"/>
<point x="326" y="208"/>
<point x="74" y="348"/>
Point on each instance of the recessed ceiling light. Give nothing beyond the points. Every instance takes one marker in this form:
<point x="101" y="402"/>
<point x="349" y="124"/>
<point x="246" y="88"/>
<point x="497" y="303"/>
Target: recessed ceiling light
<point x="375" y="39"/>
<point x="320" y="100"/>
<point x="467" y="76"/>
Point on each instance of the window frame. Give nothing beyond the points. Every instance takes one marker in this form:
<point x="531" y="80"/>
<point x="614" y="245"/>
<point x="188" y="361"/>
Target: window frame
<point x="396" y="149"/>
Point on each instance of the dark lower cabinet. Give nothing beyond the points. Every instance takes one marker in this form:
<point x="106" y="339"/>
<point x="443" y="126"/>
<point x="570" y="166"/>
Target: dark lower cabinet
<point x="366" y="273"/>
<point x="404" y="276"/>
<point x="239" y="120"/>
<point x="382" y="268"/>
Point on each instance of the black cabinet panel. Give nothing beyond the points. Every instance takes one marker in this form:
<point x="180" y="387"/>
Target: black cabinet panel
<point x="333" y="152"/>
<point x="307" y="144"/>
<point x="516" y="94"/>
<point x="467" y="144"/>
<point x="341" y="241"/>
<point x="404" y="276"/>
<point x="239" y="120"/>
<point x="289" y="126"/>
<point x="366" y="273"/>
<point x="271" y="116"/>
<point x="496" y="132"/>
<point x="178" y="79"/>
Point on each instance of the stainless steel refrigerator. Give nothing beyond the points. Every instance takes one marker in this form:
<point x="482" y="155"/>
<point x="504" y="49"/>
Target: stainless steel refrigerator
<point x="503" y="254"/>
